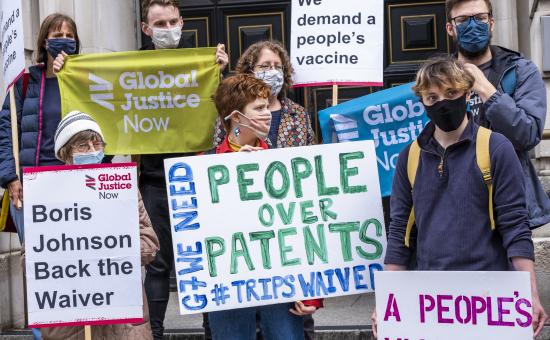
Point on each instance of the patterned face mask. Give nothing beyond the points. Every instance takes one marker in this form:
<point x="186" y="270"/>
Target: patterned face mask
<point x="273" y="78"/>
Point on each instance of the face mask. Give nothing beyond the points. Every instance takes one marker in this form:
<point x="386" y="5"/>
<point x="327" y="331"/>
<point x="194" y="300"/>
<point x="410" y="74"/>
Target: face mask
<point x="261" y="134"/>
<point x="448" y="114"/>
<point x="88" y="158"/>
<point x="473" y="37"/>
<point x="55" y="46"/>
<point x="166" y="37"/>
<point x="273" y="78"/>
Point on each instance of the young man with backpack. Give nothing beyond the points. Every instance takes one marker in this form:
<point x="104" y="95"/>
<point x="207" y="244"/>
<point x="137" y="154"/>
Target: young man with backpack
<point x="508" y="96"/>
<point x="458" y="198"/>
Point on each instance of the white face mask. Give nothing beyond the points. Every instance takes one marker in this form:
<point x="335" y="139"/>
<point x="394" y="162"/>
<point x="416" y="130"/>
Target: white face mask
<point x="273" y="78"/>
<point x="261" y="130"/>
<point x="166" y="37"/>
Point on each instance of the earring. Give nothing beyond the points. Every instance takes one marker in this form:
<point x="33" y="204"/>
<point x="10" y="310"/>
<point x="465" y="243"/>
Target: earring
<point x="237" y="131"/>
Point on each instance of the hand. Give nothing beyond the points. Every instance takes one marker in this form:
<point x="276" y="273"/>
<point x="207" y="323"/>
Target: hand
<point x="249" y="148"/>
<point x="482" y="85"/>
<point x="539" y="315"/>
<point x="221" y="57"/>
<point x="15" y="191"/>
<point x="374" y="320"/>
<point x="300" y="309"/>
<point x="59" y="61"/>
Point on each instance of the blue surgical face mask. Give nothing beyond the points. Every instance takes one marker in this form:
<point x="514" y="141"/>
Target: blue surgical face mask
<point x="56" y="45"/>
<point x="473" y="36"/>
<point x="88" y="158"/>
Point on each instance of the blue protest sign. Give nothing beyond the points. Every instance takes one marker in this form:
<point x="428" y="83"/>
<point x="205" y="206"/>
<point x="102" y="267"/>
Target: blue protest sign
<point x="393" y="118"/>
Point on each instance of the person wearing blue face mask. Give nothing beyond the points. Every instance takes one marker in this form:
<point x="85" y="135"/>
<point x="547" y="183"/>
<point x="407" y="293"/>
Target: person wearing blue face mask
<point x="508" y="95"/>
<point x="38" y="109"/>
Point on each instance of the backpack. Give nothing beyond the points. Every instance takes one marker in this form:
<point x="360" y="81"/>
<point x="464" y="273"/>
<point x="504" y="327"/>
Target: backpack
<point x="483" y="162"/>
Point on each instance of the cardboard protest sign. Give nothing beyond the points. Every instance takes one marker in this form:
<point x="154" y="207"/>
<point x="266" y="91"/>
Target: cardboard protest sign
<point x="454" y="305"/>
<point x="337" y="42"/>
<point x="145" y="101"/>
<point x="393" y="118"/>
<point x="82" y="245"/>
<point x="13" y="48"/>
<point x="275" y="226"/>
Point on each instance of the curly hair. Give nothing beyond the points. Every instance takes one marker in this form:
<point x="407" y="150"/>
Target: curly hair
<point x="250" y="57"/>
<point x="440" y="70"/>
<point x="237" y="91"/>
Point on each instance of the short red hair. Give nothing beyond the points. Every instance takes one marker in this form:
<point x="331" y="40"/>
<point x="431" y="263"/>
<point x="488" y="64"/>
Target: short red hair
<point x="237" y="91"/>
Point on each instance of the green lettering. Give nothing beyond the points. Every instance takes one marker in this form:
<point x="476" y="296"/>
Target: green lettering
<point x="346" y="173"/>
<point x="284" y="249"/>
<point x="363" y="236"/>
<point x="268" y="180"/>
<point x="264" y="237"/>
<point x="245" y="182"/>
<point x="215" y="182"/>
<point x="235" y="253"/>
<point x="322" y="189"/>
<point x="298" y="174"/>
<point x="286" y="217"/>
<point x="345" y="240"/>
<point x="211" y="253"/>
<point x="313" y="247"/>
<point x="261" y="215"/>
<point x="307" y="216"/>
<point x="324" y="205"/>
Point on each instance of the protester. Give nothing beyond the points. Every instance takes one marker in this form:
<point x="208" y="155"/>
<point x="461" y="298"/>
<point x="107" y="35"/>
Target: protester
<point x="38" y="109"/>
<point x="78" y="140"/>
<point x="163" y="23"/>
<point x="290" y="124"/>
<point x="242" y="104"/>
<point x="449" y="182"/>
<point x="508" y="95"/>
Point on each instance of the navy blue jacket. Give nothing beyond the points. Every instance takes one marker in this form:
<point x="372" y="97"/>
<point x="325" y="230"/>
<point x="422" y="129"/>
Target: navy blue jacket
<point x="519" y="117"/>
<point x="451" y="205"/>
<point x="29" y="115"/>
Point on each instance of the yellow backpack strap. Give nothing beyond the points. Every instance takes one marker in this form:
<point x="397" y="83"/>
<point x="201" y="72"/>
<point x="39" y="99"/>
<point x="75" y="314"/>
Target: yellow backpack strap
<point x="412" y="166"/>
<point x="484" y="163"/>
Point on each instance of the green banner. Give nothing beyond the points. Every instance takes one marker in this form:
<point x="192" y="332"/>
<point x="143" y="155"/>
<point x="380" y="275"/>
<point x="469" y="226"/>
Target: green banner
<point x="145" y="101"/>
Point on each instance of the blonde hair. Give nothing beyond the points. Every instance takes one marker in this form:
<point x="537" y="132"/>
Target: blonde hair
<point x="441" y="70"/>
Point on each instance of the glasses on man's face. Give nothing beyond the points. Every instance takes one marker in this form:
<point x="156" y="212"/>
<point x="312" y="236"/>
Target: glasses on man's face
<point x="90" y="146"/>
<point x="267" y="67"/>
<point x="465" y="19"/>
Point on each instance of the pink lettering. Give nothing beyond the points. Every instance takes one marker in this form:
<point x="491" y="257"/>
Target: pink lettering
<point x="424" y="308"/>
<point x="391" y="309"/>
<point x="441" y="309"/>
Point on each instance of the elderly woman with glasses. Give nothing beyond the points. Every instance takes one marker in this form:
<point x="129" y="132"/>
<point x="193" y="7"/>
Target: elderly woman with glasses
<point x="290" y="123"/>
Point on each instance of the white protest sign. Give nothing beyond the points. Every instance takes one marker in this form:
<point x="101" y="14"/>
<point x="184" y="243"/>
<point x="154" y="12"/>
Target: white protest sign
<point x="82" y="245"/>
<point x="275" y="226"/>
<point x="337" y="42"/>
<point x="454" y="305"/>
<point x="13" y="50"/>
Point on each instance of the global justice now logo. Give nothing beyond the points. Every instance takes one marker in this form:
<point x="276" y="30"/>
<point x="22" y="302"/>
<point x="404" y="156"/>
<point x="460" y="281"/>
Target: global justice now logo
<point x="105" y="184"/>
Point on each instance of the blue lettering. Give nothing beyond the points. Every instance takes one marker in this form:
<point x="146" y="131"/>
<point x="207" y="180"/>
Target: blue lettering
<point x="343" y="279"/>
<point x="238" y="284"/>
<point x="358" y="276"/>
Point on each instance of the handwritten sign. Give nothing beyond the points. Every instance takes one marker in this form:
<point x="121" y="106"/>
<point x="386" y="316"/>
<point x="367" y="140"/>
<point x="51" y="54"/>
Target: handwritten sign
<point x="454" y="305"/>
<point x="275" y="226"/>
<point x="13" y="49"/>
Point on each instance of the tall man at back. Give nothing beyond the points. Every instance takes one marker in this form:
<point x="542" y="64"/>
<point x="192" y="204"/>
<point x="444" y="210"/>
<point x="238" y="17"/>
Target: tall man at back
<point x="163" y="23"/>
<point x="508" y="96"/>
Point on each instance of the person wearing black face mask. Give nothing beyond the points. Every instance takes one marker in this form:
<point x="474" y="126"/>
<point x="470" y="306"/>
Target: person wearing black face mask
<point x="508" y="95"/>
<point x="38" y="108"/>
<point x="455" y="227"/>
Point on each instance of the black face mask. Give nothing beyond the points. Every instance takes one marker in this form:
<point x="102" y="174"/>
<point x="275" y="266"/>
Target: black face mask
<point x="448" y="114"/>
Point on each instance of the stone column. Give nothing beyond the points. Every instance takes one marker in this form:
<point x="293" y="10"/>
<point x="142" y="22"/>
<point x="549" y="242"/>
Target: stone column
<point x="506" y="24"/>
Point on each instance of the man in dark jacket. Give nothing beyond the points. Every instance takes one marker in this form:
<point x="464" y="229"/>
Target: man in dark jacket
<point x="163" y="24"/>
<point x="509" y="95"/>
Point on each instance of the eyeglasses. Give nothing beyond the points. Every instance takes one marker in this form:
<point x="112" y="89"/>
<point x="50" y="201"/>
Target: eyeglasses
<point x="267" y="67"/>
<point x="86" y="147"/>
<point x="465" y="19"/>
